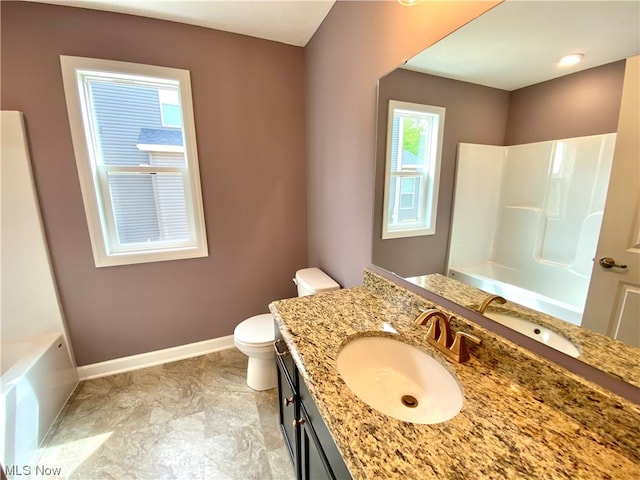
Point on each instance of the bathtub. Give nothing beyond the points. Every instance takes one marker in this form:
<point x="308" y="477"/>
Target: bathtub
<point x="559" y="297"/>
<point x="38" y="377"/>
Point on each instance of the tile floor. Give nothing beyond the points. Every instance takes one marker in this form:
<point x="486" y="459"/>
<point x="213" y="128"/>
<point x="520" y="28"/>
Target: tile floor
<point x="192" y="419"/>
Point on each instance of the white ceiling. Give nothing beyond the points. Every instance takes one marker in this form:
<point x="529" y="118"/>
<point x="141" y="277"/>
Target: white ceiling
<point x="293" y="22"/>
<point x="519" y="43"/>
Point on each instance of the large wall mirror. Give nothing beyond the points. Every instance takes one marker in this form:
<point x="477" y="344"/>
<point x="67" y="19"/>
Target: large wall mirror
<point x="504" y="93"/>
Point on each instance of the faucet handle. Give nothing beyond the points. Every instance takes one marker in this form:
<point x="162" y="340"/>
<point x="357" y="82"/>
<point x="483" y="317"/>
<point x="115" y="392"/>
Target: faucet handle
<point x="472" y="338"/>
<point x="459" y="347"/>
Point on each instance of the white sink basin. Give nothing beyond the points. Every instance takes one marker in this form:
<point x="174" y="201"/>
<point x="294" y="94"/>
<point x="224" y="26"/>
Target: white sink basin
<point x="535" y="331"/>
<point x="399" y="380"/>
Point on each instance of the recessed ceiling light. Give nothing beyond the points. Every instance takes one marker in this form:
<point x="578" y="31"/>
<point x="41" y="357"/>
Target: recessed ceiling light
<point x="408" y="3"/>
<point x="571" y="59"/>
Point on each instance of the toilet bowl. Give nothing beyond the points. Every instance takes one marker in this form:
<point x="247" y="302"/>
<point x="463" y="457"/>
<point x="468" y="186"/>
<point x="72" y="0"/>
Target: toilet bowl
<point x="255" y="336"/>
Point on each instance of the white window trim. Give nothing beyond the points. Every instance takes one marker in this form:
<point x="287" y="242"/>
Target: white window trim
<point x="90" y="174"/>
<point x="431" y="178"/>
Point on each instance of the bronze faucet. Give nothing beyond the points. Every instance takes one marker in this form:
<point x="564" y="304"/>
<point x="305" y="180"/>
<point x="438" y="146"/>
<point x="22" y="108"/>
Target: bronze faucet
<point x="439" y="335"/>
<point x="488" y="300"/>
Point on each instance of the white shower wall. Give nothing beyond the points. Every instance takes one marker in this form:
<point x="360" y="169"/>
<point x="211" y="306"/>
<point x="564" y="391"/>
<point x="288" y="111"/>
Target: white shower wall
<point x="534" y="211"/>
<point x="38" y="368"/>
<point x="29" y="304"/>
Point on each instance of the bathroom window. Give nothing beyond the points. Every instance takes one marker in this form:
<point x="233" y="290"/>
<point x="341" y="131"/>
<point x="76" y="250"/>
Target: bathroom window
<point x="134" y="140"/>
<point x="414" y="145"/>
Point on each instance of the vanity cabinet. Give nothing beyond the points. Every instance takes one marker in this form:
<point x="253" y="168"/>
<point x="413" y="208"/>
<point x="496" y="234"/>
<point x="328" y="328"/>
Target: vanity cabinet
<point x="313" y="452"/>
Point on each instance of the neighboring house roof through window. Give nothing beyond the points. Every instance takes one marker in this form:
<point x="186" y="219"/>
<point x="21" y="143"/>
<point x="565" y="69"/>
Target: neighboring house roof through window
<point x="160" y="140"/>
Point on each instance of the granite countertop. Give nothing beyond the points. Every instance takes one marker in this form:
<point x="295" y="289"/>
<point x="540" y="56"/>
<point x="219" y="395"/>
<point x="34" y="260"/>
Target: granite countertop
<point x="522" y="416"/>
<point x="605" y="353"/>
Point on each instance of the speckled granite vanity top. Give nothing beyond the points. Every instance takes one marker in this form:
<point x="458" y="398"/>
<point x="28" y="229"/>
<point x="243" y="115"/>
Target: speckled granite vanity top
<point x="604" y="353"/>
<point x="522" y="417"/>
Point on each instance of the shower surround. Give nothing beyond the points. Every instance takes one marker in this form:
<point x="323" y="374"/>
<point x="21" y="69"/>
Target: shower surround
<point x="527" y="219"/>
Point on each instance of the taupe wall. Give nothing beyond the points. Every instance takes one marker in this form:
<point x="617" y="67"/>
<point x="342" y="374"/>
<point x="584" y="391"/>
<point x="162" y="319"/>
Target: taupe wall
<point x="474" y="114"/>
<point x="581" y="104"/>
<point x="249" y="111"/>
<point x="358" y="43"/>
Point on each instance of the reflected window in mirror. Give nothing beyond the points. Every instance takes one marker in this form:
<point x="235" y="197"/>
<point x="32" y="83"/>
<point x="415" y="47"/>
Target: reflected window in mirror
<point x="414" y="150"/>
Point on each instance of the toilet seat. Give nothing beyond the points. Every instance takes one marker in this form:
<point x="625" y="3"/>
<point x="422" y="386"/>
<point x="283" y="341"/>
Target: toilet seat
<point x="256" y="331"/>
<point x="253" y="347"/>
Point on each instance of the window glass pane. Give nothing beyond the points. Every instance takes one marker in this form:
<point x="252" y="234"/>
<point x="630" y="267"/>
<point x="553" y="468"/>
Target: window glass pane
<point x="408" y="184"/>
<point x="169" y="96"/>
<point x="407" y="192"/>
<point x="128" y="117"/>
<point x="148" y="207"/>
<point x="172" y="210"/>
<point x="406" y="201"/>
<point x="167" y="159"/>
<point x="130" y="130"/>
<point x="134" y="208"/>
<point x="171" y="115"/>
<point x="415" y="129"/>
<point x="170" y="108"/>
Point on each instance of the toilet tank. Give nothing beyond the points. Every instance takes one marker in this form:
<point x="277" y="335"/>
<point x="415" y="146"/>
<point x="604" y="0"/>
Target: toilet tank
<point x="313" y="280"/>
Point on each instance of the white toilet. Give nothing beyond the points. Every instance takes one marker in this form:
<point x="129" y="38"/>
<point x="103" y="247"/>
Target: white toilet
<point x="255" y="336"/>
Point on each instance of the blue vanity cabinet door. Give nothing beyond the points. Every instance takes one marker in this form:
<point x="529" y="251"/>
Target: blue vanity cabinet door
<point x="288" y="400"/>
<point x="313" y="462"/>
<point x="288" y="406"/>
<point x="325" y="443"/>
<point x="313" y="452"/>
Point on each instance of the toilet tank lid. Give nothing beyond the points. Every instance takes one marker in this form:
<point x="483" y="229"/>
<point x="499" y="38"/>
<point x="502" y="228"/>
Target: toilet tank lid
<point x="315" y="280"/>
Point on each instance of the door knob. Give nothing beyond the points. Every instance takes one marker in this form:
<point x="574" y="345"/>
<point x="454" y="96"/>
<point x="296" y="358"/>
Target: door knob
<point x="608" y="262"/>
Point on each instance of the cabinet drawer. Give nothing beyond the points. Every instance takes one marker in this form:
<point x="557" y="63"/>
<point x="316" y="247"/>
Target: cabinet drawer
<point x="313" y="462"/>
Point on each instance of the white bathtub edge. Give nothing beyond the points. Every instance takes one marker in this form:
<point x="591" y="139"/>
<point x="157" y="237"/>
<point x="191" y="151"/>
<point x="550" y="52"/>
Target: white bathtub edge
<point x="54" y="425"/>
<point x="157" y="357"/>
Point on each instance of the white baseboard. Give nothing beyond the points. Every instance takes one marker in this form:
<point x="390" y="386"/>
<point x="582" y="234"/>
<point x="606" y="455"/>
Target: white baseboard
<point x="144" y="360"/>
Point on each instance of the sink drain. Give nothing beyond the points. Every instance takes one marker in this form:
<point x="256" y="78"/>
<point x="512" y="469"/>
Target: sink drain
<point x="409" y="401"/>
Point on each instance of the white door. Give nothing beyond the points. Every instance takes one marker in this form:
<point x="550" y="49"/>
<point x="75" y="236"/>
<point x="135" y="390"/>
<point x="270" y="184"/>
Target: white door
<point x="613" y="302"/>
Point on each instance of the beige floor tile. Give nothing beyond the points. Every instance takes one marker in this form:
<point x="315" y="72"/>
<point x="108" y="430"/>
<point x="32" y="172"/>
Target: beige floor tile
<point x="191" y="419"/>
